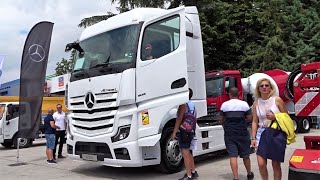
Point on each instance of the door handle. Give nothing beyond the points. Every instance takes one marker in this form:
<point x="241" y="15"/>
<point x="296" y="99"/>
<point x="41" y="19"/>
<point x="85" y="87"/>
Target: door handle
<point x="179" y="83"/>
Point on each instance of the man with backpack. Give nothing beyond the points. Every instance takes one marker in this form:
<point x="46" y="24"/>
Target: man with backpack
<point x="236" y="136"/>
<point x="186" y="123"/>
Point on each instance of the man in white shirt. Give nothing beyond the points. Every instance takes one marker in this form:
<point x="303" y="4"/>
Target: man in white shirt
<point x="61" y="121"/>
<point x="234" y="114"/>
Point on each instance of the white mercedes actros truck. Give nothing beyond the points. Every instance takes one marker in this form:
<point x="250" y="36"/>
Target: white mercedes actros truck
<point x="131" y="73"/>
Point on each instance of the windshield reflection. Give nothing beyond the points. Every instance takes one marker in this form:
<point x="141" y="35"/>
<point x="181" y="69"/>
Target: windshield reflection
<point x="214" y="86"/>
<point x="114" y="47"/>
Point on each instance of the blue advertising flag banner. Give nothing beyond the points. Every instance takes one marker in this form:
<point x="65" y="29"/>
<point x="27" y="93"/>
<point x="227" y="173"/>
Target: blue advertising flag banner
<point x="32" y="78"/>
<point x="1" y="63"/>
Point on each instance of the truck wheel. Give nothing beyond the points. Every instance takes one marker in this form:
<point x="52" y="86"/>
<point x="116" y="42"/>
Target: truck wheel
<point x="7" y="144"/>
<point x="303" y="124"/>
<point x="295" y="125"/>
<point x="24" y="142"/>
<point x="171" y="157"/>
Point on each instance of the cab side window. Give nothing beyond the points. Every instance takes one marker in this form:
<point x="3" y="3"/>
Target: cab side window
<point x="161" y="38"/>
<point x="13" y="112"/>
<point x="230" y="82"/>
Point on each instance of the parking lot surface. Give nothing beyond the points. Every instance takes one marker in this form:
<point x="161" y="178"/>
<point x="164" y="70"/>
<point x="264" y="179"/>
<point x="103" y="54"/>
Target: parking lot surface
<point x="212" y="166"/>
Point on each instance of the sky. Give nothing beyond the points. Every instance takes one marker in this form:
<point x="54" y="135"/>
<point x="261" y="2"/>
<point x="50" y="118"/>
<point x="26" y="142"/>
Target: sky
<point x="17" y="17"/>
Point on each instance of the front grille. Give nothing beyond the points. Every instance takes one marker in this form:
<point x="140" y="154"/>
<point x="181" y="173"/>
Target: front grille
<point x="102" y="150"/>
<point x="94" y="128"/>
<point x="212" y="109"/>
<point x="212" y="114"/>
<point x="93" y="119"/>
<point x="97" y="120"/>
<point x="95" y="110"/>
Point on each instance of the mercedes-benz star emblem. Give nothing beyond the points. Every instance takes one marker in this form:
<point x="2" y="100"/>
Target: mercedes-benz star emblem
<point x="89" y="100"/>
<point x="36" y="53"/>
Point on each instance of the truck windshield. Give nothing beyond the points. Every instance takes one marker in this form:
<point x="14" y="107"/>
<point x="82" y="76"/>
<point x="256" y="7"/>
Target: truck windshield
<point x="2" y="109"/>
<point x="214" y="86"/>
<point x="112" y="48"/>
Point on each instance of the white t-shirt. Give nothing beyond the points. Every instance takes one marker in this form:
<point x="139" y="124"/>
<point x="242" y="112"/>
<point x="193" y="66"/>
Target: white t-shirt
<point x="59" y="119"/>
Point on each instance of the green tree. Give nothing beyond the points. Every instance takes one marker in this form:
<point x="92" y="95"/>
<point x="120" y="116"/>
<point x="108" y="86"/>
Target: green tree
<point x="303" y="34"/>
<point x="125" y="5"/>
<point x="268" y="50"/>
<point x="65" y="66"/>
<point x="250" y="35"/>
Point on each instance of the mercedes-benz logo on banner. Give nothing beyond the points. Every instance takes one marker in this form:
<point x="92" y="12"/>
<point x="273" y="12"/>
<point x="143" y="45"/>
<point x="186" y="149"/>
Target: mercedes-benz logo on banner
<point x="89" y="100"/>
<point x="36" y="53"/>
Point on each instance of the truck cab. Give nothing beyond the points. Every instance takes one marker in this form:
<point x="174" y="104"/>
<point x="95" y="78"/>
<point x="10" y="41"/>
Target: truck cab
<point x="217" y="87"/>
<point x="131" y="74"/>
<point x="9" y="121"/>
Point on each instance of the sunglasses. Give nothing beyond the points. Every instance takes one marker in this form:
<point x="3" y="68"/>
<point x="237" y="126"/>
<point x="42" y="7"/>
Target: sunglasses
<point x="264" y="85"/>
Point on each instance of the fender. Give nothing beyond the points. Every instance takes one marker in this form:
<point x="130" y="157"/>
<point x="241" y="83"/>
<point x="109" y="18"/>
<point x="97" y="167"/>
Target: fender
<point x="170" y="116"/>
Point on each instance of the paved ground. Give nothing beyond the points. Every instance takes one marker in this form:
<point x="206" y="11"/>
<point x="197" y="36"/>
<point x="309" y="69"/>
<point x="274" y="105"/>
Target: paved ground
<point x="211" y="166"/>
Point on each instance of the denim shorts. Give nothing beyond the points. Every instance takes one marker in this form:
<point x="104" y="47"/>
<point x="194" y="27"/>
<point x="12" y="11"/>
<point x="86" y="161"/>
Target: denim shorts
<point x="238" y="146"/>
<point x="51" y="140"/>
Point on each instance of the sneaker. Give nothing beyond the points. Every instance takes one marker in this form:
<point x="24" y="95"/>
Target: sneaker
<point x="51" y="162"/>
<point x="195" y="175"/>
<point x="250" y="176"/>
<point x="60" y="156"/>
<point x="185" y="177"/>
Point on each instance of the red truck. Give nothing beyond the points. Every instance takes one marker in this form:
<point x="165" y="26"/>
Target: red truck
<point x="299" y="90"/>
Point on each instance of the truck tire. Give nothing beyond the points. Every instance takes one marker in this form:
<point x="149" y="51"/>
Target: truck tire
<point x="295" y="124"/>
<point x="7" y="144"/>
<point x="24" y="143"/>
<point x="171" y="157"/>
<point x="303" y="124"/>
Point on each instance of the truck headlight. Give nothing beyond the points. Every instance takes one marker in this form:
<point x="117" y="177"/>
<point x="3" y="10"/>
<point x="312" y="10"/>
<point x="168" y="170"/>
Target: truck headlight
<point x="123" y="132"/>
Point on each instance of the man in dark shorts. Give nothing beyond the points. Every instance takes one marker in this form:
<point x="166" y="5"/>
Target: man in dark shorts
<point x="236" y="136"/>
<point x="50" y="130"/>
<point x="186" y="138"/>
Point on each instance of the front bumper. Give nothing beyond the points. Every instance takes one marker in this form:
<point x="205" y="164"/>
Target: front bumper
<point x="126" y="154"/>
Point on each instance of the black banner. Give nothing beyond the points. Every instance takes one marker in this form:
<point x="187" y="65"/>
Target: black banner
<point x="32" y="78"/>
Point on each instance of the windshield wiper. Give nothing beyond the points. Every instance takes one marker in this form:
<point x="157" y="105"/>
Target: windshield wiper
<point x="79" y="73"/>
<point x="104" y="64"/>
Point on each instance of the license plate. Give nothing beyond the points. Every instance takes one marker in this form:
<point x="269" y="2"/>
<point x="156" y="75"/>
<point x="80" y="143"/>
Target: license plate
<point x="89" y="157"/>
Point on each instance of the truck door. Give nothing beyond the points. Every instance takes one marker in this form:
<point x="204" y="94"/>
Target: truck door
<point x="11" y="121"/>
<point x="161" y="62"/>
